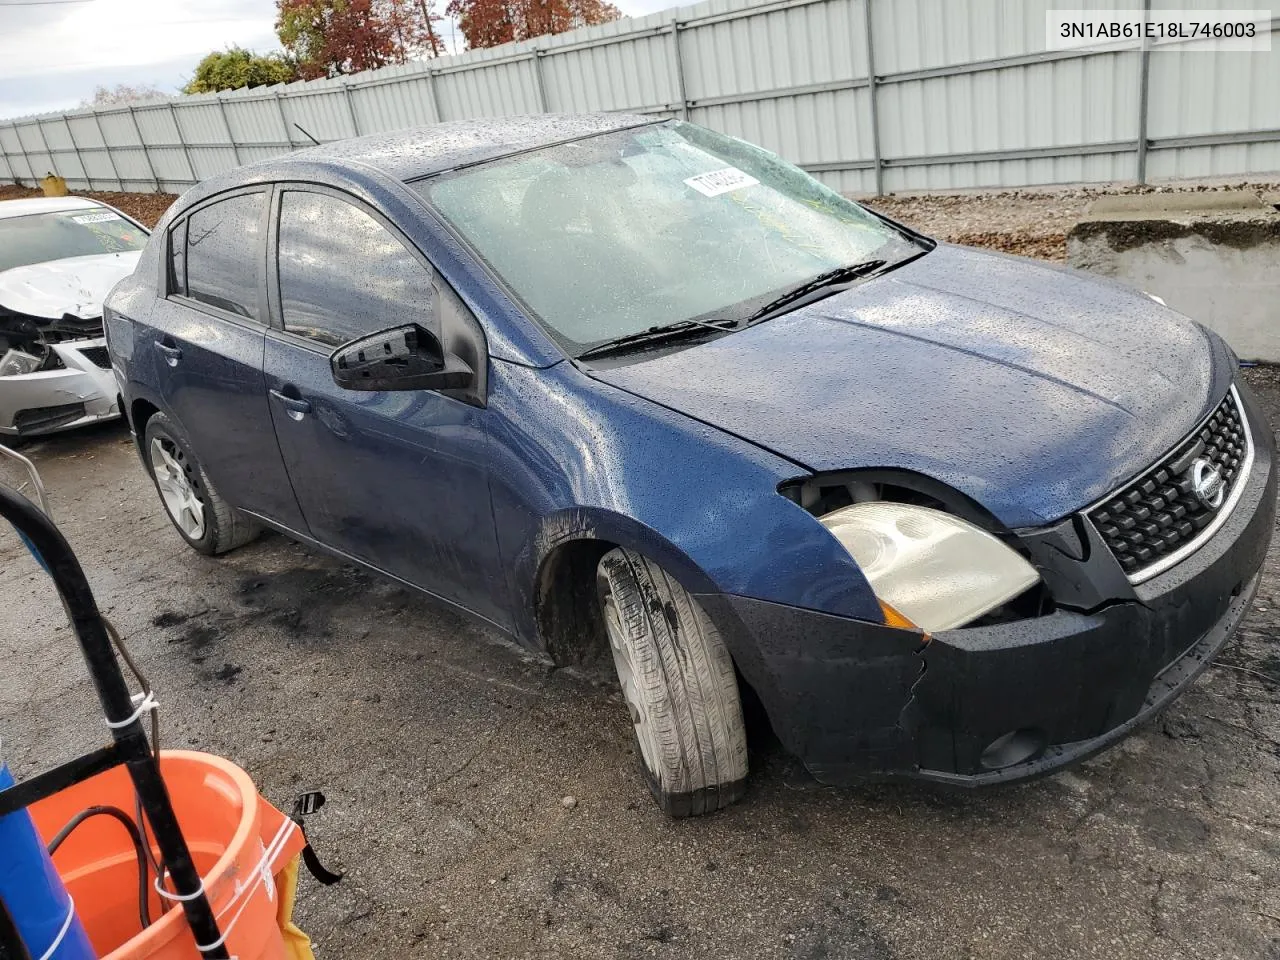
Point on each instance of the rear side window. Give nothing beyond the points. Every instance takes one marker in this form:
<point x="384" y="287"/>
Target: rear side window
<point x="343" y="274"/>
<point x="224" y="254"/>
<point x="178" y="258"/>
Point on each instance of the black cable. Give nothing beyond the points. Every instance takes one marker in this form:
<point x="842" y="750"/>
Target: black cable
<point x="144" y="913"/>
<point x="118" y="642"/>
<point x="146" y="846"/>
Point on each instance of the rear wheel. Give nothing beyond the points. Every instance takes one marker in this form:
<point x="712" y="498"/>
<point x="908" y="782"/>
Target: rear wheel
<point x="679" y="685"/>
<point x="206" y="521"/>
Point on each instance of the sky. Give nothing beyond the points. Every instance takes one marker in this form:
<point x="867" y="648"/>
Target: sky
<point x="53" y="53"/>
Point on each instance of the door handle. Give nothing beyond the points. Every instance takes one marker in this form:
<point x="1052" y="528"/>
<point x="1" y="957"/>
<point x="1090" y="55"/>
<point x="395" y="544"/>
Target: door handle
<point x="297" y="407"/>
<point x="172" y="354"/>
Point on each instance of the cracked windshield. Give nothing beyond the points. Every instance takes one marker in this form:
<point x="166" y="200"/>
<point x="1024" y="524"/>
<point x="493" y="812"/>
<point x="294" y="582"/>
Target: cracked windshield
<point x="618" y="233"/>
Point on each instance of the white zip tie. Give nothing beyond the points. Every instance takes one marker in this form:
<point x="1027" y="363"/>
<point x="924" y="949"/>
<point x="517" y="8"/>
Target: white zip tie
<point x="268" y="854"/>
<point x="177" y="897"/>
<point x="145" y="702"/>
<point x="259" y="872"/>
<point x="66" y="925"/>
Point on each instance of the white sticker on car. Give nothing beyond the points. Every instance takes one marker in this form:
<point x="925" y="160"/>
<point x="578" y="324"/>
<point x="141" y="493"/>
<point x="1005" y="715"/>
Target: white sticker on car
<point x="95" y="217"/>
<point x="721" y="181"/>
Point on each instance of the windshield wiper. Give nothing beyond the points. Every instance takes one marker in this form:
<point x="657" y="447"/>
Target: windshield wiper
<point x="666" y="331"/>
<point x="832" y="278"/>
<point x="689" y="328"/>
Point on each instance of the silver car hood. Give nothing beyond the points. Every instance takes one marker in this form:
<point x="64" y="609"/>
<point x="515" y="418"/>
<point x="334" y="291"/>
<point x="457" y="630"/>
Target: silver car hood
<point x="77" y="285"/>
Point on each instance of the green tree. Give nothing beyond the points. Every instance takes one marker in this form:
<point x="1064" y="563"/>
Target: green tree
<point x="236" y="67"/>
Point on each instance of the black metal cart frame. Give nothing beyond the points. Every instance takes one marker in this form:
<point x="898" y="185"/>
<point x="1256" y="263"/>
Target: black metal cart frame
<point x="129" y="744"/>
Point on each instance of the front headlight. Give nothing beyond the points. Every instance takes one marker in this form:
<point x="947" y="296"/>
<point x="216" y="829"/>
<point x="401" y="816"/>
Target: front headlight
<point x="930" y="568"/>
<point x="15" y="363"/>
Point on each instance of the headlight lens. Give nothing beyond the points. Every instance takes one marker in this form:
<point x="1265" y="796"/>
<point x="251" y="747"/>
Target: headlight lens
<point x="15" y="363"/>
<point x="934" y="569"/>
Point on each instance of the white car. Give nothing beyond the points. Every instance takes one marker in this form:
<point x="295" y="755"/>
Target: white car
<point x="59" y="258"/>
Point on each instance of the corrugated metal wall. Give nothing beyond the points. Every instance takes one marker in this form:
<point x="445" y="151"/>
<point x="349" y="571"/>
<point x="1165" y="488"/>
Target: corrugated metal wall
<point x="870" y="95"/>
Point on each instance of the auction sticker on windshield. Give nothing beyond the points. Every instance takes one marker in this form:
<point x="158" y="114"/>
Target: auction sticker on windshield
<point x="95" y="218"/>
<point x="716" y="182"/>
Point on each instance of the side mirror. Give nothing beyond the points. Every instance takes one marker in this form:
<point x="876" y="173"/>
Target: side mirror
<point x="402" y="358"/>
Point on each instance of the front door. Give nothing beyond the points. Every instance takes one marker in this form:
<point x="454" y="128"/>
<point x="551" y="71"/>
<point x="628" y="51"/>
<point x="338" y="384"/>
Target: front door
<point x="397" y="479"/>
<point x="209" y="332"/>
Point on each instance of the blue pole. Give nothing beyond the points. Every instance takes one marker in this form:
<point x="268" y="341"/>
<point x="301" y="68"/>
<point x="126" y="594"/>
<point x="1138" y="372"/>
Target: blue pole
<point x="33" y="892"/>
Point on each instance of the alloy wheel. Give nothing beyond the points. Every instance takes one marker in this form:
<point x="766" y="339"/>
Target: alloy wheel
<point x="174" y="472"/>
<point x="623" y="663"/>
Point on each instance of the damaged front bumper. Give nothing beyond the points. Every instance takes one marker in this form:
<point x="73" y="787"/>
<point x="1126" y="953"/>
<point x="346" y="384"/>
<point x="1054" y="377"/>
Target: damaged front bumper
<point x="81" y="392"/>
<point x="1010" y="701"/>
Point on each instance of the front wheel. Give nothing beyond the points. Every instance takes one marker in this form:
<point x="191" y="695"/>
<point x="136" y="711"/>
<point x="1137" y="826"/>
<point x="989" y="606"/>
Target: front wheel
<point x="207" y="522"/>
<point x="679" y="685"/>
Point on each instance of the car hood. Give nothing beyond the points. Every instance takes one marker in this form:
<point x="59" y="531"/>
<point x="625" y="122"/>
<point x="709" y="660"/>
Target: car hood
<point x="1033" y="389"/>
<point x="77" y="285"/>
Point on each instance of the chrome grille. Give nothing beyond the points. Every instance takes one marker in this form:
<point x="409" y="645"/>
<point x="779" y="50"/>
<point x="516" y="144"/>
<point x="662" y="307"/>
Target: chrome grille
<point x="1157" y="519"/>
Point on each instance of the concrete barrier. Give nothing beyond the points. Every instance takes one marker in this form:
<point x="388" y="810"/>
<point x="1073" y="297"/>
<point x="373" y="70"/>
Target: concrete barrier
<point x="1212" y="256"/>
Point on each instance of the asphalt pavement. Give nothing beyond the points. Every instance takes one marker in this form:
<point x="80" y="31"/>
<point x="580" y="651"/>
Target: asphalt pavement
<point x="449" y="757"/>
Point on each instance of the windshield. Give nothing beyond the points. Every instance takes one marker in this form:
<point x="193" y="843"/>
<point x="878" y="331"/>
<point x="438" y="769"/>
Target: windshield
<point x="38" y="237"/>
<point x="618" y="233"/>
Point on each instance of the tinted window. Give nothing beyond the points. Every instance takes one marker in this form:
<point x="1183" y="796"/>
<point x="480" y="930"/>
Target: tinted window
<point x="343" y="274"/>
<point x="178" y="258"/>
<point x="223" y="253"/>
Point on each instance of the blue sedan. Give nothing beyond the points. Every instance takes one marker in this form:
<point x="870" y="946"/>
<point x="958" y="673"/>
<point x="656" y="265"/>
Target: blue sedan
<point x="624" y="384"/>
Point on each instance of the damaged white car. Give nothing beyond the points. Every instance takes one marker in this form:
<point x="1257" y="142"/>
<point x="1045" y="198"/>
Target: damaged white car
<point x="59" y="258"/>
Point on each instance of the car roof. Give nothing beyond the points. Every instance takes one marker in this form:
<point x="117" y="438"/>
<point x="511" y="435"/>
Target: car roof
<point x="29" y="205"/>
<point x="422" y="151"/>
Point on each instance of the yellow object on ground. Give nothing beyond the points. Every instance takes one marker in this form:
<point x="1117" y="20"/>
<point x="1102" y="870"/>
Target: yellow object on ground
<point x="297" y="945"/>
<point x="54" y="186"/>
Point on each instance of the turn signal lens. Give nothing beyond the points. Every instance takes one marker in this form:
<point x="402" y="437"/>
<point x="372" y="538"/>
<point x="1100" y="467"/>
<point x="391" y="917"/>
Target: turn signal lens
<point x="894" y="619"/>
<point x="928" y="568"/>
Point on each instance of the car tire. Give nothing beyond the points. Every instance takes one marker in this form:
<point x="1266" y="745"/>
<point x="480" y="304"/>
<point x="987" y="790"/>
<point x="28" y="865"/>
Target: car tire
<point x="198" y="512"/>
<point x="679" y="684"/>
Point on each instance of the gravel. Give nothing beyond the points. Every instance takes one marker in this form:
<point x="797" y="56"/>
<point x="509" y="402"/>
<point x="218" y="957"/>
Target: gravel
<point x="1031" y="223"/>
<point x="146" y="208"/>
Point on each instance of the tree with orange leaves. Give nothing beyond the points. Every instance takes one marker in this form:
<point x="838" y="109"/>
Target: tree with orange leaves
<point x="328" y="38"/>
<point x="487" y="23"/>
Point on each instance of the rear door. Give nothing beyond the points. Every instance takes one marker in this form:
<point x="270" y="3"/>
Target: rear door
<point x="208" y="334"/>
<point x="398" y="479"/>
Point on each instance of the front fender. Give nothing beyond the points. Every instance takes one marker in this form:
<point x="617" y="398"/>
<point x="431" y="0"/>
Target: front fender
<point x="577" y="459"/>
<point x="608" y="526"/>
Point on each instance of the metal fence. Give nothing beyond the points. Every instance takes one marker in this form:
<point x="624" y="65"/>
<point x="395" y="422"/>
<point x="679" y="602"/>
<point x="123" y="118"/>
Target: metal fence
<point x="873" y="96"/>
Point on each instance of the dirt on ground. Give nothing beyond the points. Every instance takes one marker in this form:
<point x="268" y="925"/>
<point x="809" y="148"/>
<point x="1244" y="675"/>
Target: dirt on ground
<point x="1030" y="223"/>
<point x="146" y="208"/>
